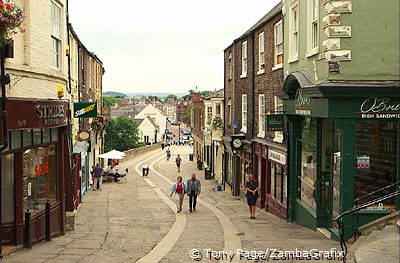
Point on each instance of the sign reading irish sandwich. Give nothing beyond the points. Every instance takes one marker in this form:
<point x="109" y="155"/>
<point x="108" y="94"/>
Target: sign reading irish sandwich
<point x="85" y="110"/>
<point x="379" y="108"/>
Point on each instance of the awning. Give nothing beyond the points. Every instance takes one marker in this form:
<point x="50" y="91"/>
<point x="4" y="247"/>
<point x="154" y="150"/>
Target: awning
<point x="112" y="155"/>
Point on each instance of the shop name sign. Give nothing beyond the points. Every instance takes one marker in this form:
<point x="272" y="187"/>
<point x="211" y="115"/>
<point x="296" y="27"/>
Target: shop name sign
<point x="303" y="103"/>
<point x="51" y="114"/>
<point x="85" y="110"/>
<point x="277" y="157"/>
<point x="379" y="108"/>
<point x="275" y="122"/>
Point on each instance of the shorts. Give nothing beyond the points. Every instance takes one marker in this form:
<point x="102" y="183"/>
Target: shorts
<point x="178" y="165"/>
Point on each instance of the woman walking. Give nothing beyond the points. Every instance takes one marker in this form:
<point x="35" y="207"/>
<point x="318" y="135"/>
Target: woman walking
<point x="179" y="189"/>
<point x="251" y="187"/>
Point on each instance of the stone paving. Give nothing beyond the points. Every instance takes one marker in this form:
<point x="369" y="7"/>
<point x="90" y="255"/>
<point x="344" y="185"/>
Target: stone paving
<point x="125" y="222"/>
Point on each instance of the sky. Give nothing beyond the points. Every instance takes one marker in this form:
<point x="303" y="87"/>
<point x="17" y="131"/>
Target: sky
<point x="163" y="46"/>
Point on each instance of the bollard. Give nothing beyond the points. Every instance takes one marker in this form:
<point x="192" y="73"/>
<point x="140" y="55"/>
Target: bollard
<point x="47" y="215"/>
<point x="27" y="230"/>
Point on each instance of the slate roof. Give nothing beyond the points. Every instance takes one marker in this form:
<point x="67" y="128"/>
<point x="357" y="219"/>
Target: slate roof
<point x="215" y="94"/>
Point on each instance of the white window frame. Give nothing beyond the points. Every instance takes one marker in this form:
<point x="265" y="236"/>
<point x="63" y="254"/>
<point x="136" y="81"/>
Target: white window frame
<point x="56" y="35"/>
<point x="312" y="27"/>
<point x="230" y="65"/>
<point x="244" y="60"/>
<point x="278" y="45"/>
<point x="244" y="113"/>
<point x="261" y="115"/>
<point x="261" y="53"/>
<point x="209" y="114"/>
<point x="278" y="107"/>
<point x="294" y="32"/>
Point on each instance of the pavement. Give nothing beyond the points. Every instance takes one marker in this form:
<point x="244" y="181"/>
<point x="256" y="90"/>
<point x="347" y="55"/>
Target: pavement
<point x="137" y="222"/>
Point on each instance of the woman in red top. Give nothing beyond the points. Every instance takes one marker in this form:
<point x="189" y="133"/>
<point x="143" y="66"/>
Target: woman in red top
<point x="179" y="189"/>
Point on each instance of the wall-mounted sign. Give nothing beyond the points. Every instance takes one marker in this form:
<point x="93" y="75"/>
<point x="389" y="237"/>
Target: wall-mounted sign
<point x="83" y="135"/>
<point x="275" y="122"/>
<point x="85" y="110"/>
<point x="303" y="103"/>
<point x="24" y="114"/>
<point x="277" y="157"/>
<point x="363" y="162"/>
<point x="379" y="108"/>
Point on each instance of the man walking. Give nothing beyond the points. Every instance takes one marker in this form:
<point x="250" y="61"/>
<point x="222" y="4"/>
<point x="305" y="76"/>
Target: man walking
<point x="168" y="152"/>
<point x="97" y="177"/>
<point x="178" y="161"/>
<point x="193" y="190"/>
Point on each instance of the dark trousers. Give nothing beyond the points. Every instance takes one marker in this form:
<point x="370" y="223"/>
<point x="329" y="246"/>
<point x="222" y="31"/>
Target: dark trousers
<point x="192" y="201"/>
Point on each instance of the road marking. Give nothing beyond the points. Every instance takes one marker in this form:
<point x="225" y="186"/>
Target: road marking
<point x="231" y="239"/>
<point x="169" y="240"/>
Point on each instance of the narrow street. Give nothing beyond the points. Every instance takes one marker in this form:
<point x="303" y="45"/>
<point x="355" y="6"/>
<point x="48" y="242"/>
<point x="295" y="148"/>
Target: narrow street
<point x="137" y="222"/>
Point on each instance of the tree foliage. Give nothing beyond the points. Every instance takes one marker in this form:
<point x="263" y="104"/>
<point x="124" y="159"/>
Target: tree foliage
<point x="122" y="134"/>
<point x="109" y="101"/>
<point x="171" y="96"/>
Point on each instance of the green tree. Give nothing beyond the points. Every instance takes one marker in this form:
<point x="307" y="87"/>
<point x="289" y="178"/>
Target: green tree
<point x="188" y="114"/>
<point x="171" y="96"/>
<point x="122" y="134"/>
<point x="109" y="101"/>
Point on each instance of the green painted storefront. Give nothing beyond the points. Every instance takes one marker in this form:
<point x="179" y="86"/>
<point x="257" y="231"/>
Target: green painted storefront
<point x="344" y="142"/>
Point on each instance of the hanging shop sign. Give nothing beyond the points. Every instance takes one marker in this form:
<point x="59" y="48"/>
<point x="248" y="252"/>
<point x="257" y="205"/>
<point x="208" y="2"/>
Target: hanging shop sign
<point x="277" y="157"/>
<point x="275" y="122"/>
<point x="85" y="110"/>
<point x="24" y="114"/>
<point x="363" y="162"/>
<point x="379" y="108"/>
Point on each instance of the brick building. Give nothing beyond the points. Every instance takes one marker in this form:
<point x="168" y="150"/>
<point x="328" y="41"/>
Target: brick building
<point x="197" y="124"/>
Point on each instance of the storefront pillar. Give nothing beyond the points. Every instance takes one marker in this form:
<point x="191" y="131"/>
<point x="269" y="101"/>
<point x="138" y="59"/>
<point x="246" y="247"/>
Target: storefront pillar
<point x="19" y="196"/>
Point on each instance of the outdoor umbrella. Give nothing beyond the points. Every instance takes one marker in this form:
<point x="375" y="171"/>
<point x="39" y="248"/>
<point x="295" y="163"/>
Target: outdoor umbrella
<point x="112" y="155"/>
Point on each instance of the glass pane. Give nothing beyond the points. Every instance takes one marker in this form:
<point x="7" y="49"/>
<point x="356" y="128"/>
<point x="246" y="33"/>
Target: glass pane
<point x="54" y="134"/>
<point x="27" y="138"/>
<point x="46" y="135"/>
<point x="40" y="177"/>
<point x="7" y="188"/>
<point x="273" y="171"/>
<point x="308" y="162"/>
<point x="16" y="142"/>
<point x="337" y="157"/>
<point x="37" y="136"/>
<point x="278" y="182"/>
<point x="376" y="158"/>
<point x="284" y="186"/>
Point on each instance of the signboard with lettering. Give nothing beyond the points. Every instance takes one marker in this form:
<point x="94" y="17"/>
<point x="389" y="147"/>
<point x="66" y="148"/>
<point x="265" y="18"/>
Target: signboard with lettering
<point x="303" y="103"/>
<point x="379" y="108"/>
<point x="277" y="157"/>
<point x="275" y="122"/>
<point x="29" y="114"/>
<point x="85" y="110"/>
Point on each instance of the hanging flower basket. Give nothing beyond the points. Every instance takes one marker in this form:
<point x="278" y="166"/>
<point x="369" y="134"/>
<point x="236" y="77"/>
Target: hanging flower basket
<point x="216" y="123"/>
<point x="96" y="125"/>
<point x="11" y="18"/>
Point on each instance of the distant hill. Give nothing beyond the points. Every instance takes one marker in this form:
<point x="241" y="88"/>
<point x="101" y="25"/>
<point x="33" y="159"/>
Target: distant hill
<point x="114" y="94"/>
<point x="158" y="94"/>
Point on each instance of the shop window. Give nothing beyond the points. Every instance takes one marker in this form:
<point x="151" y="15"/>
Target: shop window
<point x="308" y="174"/>
<point x="7" y="188"/>
<point x="16" y="142"/>
<point x="27" y="138"/>
<point x="40" y="177"/>
<point x="336" y="172"/>
<point x="54" y="134"/>
<point x="46" y="136"/>
<point x="279" y="182"/>
<point x="376" y="158"/>
<point x="37" y="136"/>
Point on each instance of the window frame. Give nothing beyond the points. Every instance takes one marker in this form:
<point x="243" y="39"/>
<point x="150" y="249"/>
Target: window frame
<point x="294" y="21"/>
<point x="278" y="108"/>
<point x="244" y="60"/>
<point x="261" y="53"/>
<point x="244" y="113"/>
<point x="261" y="115"/>
<point x="56" y="36"/>
<point x="312" y="28"/>
<point x="278" y="44"/>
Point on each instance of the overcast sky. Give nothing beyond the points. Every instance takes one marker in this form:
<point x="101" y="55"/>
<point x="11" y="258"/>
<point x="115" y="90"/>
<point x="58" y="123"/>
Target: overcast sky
<point x="163" y="46"/>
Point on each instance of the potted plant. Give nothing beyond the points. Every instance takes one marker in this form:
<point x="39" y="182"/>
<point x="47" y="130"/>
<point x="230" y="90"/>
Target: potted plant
<point x="216" y="123"/>
<point x="11" y="18"/>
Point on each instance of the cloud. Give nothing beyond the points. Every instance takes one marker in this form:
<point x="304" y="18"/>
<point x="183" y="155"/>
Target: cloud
<point x="163" y="46"/>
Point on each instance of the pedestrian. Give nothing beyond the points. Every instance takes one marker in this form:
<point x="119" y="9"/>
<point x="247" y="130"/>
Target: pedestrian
<point x="193" y="189"/>
<point x="179" y="188"/>
<point x="97" y="177"/>
<point x="251" y="187"/>
<point x="178" y="161"/>
<point x="162" y="146"/>
<point x="168" y="151"/>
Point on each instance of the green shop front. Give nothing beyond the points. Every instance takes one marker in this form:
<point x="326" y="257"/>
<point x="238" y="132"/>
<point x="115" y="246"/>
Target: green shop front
<point x="343" y="151"/>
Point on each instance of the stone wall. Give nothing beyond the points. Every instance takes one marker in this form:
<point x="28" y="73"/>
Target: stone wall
<point x="130" y="154"/>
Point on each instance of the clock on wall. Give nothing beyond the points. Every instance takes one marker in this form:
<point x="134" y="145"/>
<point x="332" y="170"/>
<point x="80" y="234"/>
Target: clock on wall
<point x="237" y="143"/>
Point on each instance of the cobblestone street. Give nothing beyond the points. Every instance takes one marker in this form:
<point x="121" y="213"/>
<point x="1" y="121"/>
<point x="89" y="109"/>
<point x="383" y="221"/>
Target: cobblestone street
<point x="132" y="221"/>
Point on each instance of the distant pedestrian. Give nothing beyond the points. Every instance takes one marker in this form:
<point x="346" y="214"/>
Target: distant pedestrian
<point x="193" y="189"/>
<point x="179" y="188"/>
<point x="251" y="187"/>
<point x="178" y="162"/>
<point x="168" y="152"/>
<point x="97" y="177"/>
<point x="162" y="146"/>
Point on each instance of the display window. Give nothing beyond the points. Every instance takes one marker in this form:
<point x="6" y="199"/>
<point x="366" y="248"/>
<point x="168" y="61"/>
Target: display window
<point x="7" y="188"/>
<point x="308" y="174"/>
<point x="279" y="182"/>
<point x="40" y="177"/>
<point x="376" y="159"/>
